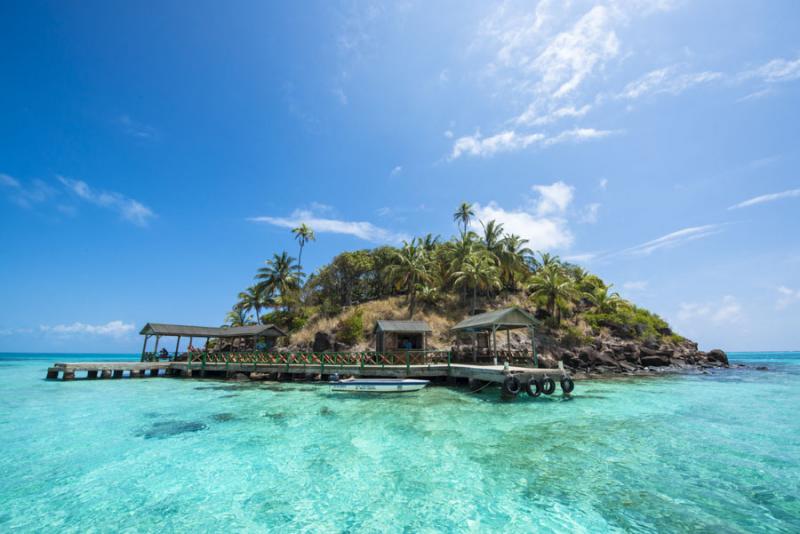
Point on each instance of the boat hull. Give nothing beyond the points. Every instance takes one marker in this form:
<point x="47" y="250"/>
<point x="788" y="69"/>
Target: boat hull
<point x="377" y="385"/>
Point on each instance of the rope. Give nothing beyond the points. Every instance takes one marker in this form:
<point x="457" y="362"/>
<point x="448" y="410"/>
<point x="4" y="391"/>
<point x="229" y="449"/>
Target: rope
<point x="481" y="388"/>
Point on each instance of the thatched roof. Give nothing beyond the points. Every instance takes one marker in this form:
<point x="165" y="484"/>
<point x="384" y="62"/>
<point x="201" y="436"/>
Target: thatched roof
<point x="505" y="319"/>
<point x="161" y="329"/>
<point x="405" y="327"/>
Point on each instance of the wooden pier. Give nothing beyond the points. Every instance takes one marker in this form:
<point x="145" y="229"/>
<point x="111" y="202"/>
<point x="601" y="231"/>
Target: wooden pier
<point x="317" y="366"/>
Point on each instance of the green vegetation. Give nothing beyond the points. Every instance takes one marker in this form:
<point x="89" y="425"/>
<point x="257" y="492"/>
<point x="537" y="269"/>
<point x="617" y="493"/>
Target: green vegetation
<point x="474" y="271"/>
<point x="351" y="330"/>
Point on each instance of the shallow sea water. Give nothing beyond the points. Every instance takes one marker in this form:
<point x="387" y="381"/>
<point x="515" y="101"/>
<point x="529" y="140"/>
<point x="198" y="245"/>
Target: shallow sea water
<point x="701" y="453"/>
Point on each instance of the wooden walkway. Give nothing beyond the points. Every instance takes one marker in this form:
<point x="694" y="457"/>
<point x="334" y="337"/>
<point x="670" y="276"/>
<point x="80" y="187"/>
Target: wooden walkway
<point x="485" y="373"/>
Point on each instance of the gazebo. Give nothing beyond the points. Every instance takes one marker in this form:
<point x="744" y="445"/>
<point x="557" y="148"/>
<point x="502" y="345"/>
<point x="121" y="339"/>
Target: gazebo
<point x="269" y="333"/>
<point x="506" y="319"/>
<point x="393" y="335"/>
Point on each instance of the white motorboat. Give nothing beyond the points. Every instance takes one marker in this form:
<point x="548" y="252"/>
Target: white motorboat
<point x="378" y="385"/>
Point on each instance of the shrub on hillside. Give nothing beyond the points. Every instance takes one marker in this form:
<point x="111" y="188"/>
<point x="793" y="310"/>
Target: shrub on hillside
<point x="351" y="330"/>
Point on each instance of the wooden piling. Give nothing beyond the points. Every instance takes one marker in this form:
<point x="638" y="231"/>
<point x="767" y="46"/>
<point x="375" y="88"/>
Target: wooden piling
<point x="52" y="373"/>
<point x="69" y="375"/>
<point x="91" y="374"/>
<point x="117" y="373"/>
<point x="136" y="373"/>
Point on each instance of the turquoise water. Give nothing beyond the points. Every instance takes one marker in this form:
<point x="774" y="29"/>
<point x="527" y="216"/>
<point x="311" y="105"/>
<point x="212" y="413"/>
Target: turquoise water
<point x="712" y="453"/>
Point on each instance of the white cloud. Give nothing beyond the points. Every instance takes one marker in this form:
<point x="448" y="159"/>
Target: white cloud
<point x="728" y="310"/>
<point x="533" y="117"/>
<point x="666" y="80"/>
<point x="542" y="233"/>
<point x="774" y="71"/>
<point x="9" y="181"/>
<point x="584" y="257"/>
<point x="634" y="286"/>
<point x="360" y="229"/>
<point x="572" y="55"/>
<point x="396" y="170"/>
<point x="27" y="196"/>
<point x="509" y="141"/>
<point x="448" y="134"/>
<point x="766" y="198"/>
<point x="674" y="239"/>
<point x="541" y="223"/>
<point x="787" y="297"/>
<point x="130" y="209"/>
<point x="475" y="145"/>
<point x="553" y="198"/>
<point x="578" y="135"/>
<point x="111" y="329"/>
<point x="138" y="129"/>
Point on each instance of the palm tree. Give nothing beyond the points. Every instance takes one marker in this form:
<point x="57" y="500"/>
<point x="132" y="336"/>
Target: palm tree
<point x="546" y="260"/>
<point x="238" y="317"/>
<point x="409" y="270"/>
<point x="478" y="271"/>
<point x="303" y="234"/>
<point x="513" y="253"/>
<point x="604" y="301"/>
<point x="282" y="275"/>
<point x="492" y="236"/>
<point x="429" y="242"/>
<point x="463" y="215"/>
<point x="553" y="287"/>
<point x="250" y="299"/>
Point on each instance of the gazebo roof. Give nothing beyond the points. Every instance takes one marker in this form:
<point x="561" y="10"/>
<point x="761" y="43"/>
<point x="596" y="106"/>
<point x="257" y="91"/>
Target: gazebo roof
<point x="406" y="327"/>
<point x="161" y="329"/>
<point x="505" y="319"/>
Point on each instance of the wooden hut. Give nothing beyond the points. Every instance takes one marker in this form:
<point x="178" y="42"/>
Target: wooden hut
<point x="263" y="336"/>
<point x="401" y="335"/>
<point x="488" y="324"/>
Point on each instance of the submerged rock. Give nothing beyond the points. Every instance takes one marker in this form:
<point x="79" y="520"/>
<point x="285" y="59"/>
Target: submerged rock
<point x="166" y="429"/>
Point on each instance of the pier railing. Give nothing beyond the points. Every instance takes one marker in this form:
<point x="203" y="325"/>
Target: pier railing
<point x="407" y="358"/>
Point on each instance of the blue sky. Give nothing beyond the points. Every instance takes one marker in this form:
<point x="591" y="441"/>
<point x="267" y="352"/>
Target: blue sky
<point x="153" y="155"/>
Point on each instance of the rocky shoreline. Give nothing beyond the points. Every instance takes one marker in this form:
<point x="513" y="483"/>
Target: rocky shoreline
<point x="615" y="356"/>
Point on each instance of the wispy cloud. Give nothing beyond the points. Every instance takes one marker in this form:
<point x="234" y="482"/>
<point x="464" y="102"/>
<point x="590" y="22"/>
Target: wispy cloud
<point x="396" y="170"/>
<point x="775" y="71"/>
<point x="114" y="329"/>
<point x="674" y="239"/>
<point x="727" y="310"/>
<point x="510" y="140"/>
<point x="786" y="297"/>
<point x="26" y="196"/>
<point x="666" y="80"/>
<point x="138" y="129"/>
<point x="131" y="210"/>
<point x="321" y="224"/>
<point x="635" y="286"/>
<point x="591" y="213"/>
<point x="766" y="198"/>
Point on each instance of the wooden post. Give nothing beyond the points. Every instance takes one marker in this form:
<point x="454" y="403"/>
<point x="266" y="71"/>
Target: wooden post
<point x="494" y="344"/>
<point x="177" y="344"/>
<point x="68" y="374"/>
<point x="52" y="373"/>
<point x="91" y="374"/>
<point x="474" y="347"/>
<point x="105" y="373"/>
<point x="144" y="345"/>
<point x="533" y="347"/>
<point x="155" y="350"/>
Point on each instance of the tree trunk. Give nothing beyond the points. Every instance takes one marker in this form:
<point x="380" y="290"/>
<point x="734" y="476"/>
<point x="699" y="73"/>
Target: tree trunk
<point x="474" y="297"/>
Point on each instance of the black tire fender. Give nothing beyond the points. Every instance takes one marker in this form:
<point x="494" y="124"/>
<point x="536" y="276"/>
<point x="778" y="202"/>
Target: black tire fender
<point x="567" y="385"/>
<point x="511" y="385"/>
<point x="533" y="388"/>
<point x="548" y="385"/>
